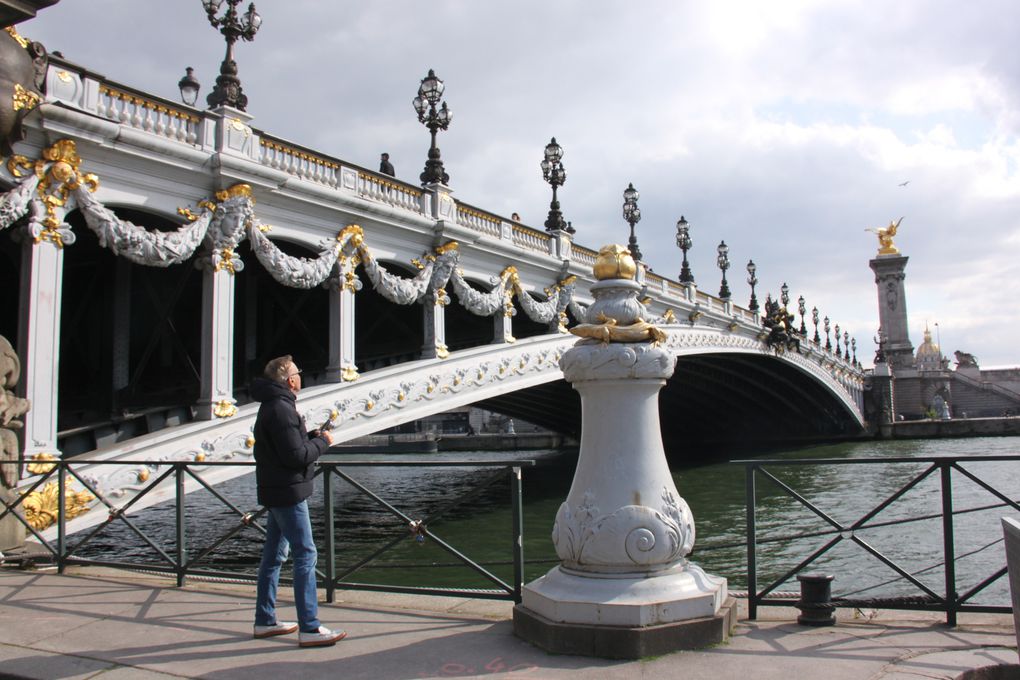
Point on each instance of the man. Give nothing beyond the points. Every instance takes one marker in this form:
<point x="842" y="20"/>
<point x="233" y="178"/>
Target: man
<point x="285" y="454"/>
<point x="385" y="167"/>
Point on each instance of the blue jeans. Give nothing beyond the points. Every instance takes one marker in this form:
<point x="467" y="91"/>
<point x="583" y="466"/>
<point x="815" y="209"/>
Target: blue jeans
<point x="288" y="527"/>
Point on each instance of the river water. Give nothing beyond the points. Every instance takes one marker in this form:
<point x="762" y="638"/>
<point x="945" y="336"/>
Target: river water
<point x="481" y="527"/>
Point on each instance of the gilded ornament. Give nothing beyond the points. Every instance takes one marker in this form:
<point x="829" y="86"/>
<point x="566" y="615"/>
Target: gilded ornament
<point x="40" y="468"/>
<point x="442" y="351"/>
<point x="732" y="326"/>
<point x="14" y="34"/>
<point x="200" y="456"/>
<point x="614" y="262"/>
<point x="885" y="238"/>
<point x="24" y="99"/>
<point x="64" y="76"/>
<point x="226" y="262"/>
<point x="448" y="247"/>
<point x="224" y="408"/>
<point x="239" y="125"/>
<point x="695" y="315"/>
<point x="352" y="233"/>
<point x="430" y="388"/>
<point x="143" y="474"/>
<point x="235" y="191"/>
<point x="369" y="405"/>
<point x="401" y="396"/>
<point x="349" y="374"/>
<point x="192" y="216"/>
<point x="669" y="316"/>
<point x="42" y="507"/>
<point x="249" y="442"/>
<point x="58" y="175"/>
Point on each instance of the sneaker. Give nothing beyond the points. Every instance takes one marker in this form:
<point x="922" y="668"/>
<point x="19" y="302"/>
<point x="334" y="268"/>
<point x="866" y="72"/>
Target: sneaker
<point x="281" y="628"/>
<point x="324" y="637"/>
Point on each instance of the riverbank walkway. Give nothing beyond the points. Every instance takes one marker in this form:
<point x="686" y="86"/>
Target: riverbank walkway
<point x="115" y="625"/>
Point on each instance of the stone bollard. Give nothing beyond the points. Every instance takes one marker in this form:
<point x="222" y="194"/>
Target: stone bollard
<point x="815" y="603"/>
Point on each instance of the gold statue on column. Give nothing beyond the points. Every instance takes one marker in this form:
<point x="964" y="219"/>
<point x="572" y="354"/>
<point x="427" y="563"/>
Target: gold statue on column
<point x="885" y="238"/>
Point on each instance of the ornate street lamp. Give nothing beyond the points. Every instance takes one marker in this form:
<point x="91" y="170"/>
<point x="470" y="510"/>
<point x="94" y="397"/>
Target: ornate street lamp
<point x="684" y="243"/>
<point x="853" y="344"/>
<point x="723" y="260"/>
<point x="846" y="345"/>
<point x="802" y="308"/>
<point x="555" y="174"/>
<point x="752" y="280"/>
<point x="430" y="92"/>
<point x="189" y="87"/>
<point x="828" y="345"/>
<point x="836" y="338"/>
<point x="814" y="319"/>
<point x="232" y="25"/>
<point x="784" y="294"/>
<point x="632" y="213"/>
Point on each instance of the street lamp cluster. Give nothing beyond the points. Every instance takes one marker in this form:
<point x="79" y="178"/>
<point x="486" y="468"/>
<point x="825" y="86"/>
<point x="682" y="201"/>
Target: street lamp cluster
<point x="555" y="174"/>
<point x="430" y="92"/>
<point x="632" y="214"/>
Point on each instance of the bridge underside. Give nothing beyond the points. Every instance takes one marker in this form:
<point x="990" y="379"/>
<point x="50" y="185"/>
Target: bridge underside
<point x="718" y="402"/>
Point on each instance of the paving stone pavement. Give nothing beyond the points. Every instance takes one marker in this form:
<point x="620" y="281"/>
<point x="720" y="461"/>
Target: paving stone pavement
<point x="113" y="625"/>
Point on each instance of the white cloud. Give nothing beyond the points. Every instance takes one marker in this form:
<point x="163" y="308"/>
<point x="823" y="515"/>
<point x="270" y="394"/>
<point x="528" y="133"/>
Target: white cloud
<point x="784" y="128"/>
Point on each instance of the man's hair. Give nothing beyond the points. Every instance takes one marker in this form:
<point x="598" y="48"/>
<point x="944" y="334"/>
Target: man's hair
<point x="278" y="369"/>
<point x="386" y="156"/>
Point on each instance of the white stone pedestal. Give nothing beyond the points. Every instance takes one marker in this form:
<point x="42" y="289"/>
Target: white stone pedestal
<point x="625" y="588"/>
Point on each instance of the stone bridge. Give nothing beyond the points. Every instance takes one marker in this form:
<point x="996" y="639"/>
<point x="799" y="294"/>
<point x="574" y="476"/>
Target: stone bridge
<point x="158" y="255"/>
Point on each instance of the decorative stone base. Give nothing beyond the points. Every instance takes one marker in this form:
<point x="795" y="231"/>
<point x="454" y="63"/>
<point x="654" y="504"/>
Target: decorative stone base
<point x="12" y="532"/>
<point x="624" y="642"/>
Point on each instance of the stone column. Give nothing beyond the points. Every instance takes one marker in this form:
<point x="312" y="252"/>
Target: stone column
<point x="892" y="309"/>
<point x="216" y="398"/>
<point x="342" y="366"/>
<point x="42" y="275"/>
<point x="435" y="325"/>
<point x="624" y="588"/>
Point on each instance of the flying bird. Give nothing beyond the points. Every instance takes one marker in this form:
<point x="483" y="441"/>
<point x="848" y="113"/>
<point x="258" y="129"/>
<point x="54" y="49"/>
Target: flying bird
<point x="903" y="184"/>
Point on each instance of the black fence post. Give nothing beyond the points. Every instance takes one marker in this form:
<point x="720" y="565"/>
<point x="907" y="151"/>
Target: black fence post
<point x="948" y="541"/>
<point x="327" y="506"/>
<point x="61" y="516"/>
<point x="182" y="552"/>
<point x="752" y="563"/>
<point x="517" y="509"/>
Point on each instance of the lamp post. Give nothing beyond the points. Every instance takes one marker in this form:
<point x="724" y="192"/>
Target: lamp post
<point x="430" y="92"/>
<point x="853" y="344"/>
<point x="814" y="319"/>
<point x="555" y="174"/>
<point x="836" y="338"/>
<point x="684" y="243"/>
<point x="846" y="345"/>
<point x="723" y="260"/>
<point x="828" y="345"/>
<point x="232" y="25"/>
<point x="784" y="294"/>
<point x="802" y="308"/>
<point x="189" y="87"/>
<point x="632" y="213"/>
<point x="752" y="280"/>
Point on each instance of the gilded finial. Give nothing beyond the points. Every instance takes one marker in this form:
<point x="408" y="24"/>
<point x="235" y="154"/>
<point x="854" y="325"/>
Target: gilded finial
<point x="614" y="262"/>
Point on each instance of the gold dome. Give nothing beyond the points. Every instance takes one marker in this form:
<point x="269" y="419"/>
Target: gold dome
<point x="928" y="355"/>
<point x="614" y="262"/>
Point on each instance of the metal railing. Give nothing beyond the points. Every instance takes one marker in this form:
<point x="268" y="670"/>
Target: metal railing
<point x="943" y="471"/>
<point x="179" y="561"/>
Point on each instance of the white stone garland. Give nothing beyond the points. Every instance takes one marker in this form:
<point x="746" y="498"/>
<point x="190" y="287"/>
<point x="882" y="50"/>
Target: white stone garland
<point x="295" y="272"/>
<point x="138" y="244"/>
<point x="14" y="203"/>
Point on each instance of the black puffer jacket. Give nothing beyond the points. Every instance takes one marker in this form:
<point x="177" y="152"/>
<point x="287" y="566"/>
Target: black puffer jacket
<point x="284" y="451"/>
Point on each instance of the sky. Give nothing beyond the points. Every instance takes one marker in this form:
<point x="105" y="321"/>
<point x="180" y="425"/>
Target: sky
<point x="784" y="128"/>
